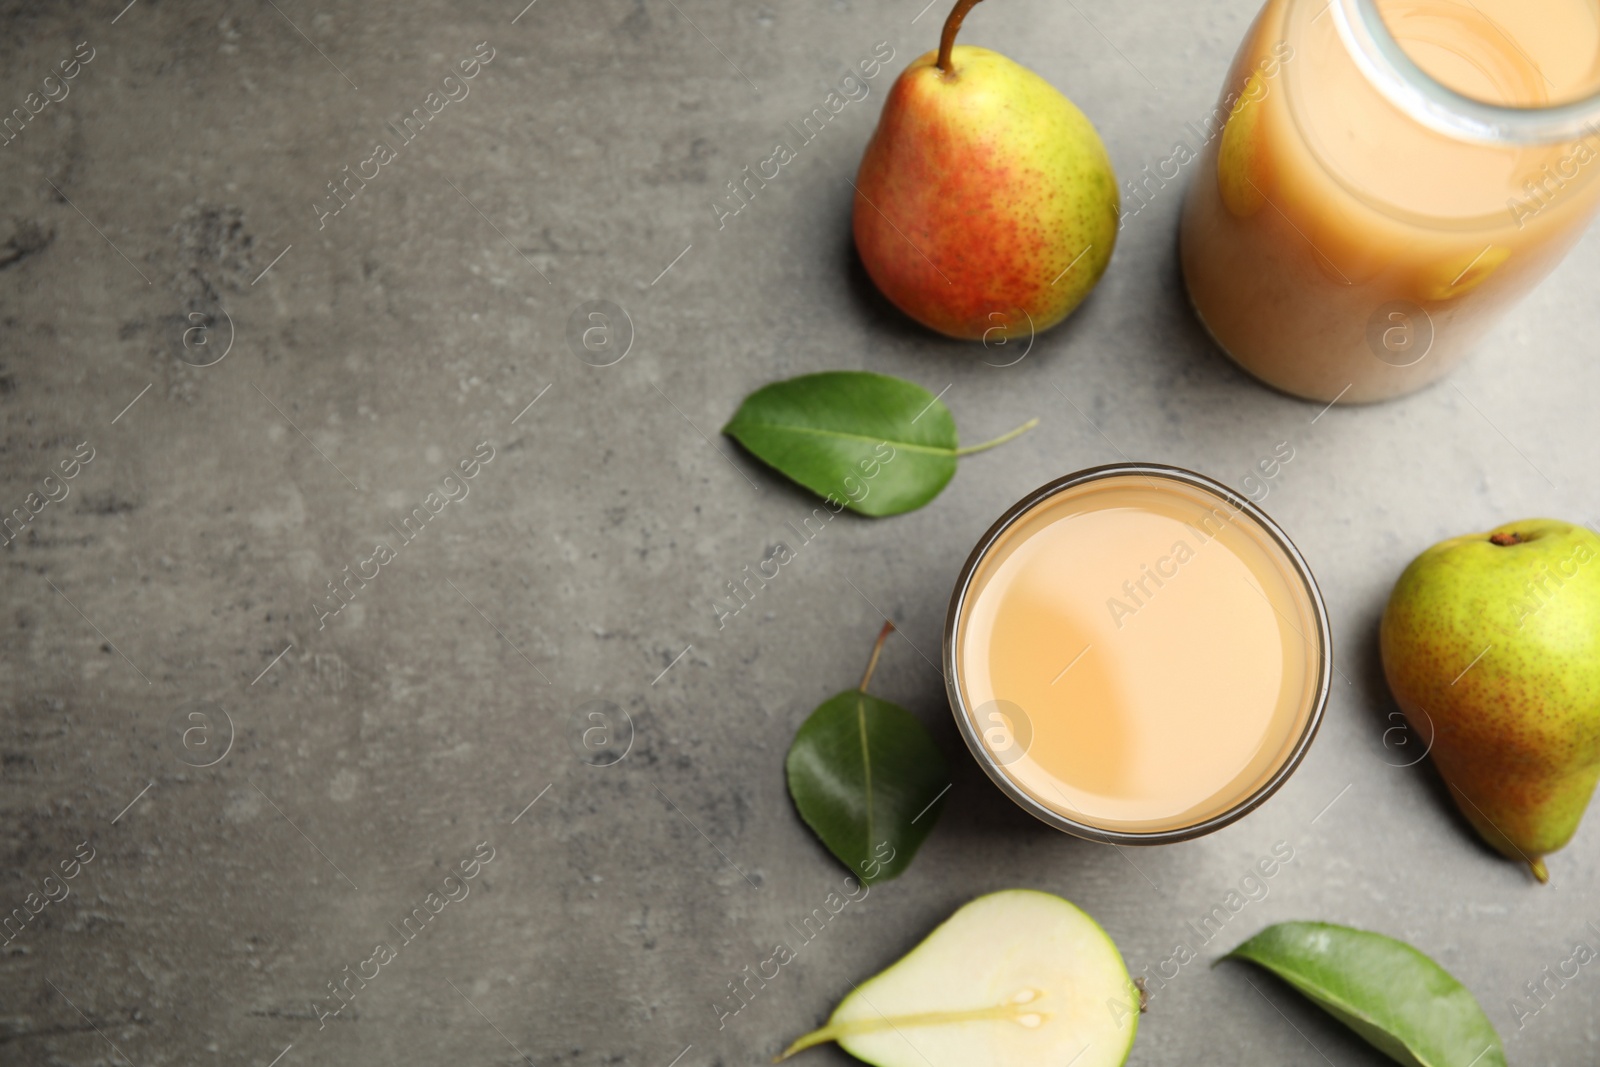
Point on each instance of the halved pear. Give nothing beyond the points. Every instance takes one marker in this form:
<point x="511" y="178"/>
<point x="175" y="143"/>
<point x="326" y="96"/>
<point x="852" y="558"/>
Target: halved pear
<point x="1462" y="273"/>
<point x="1241" y="166"/>
<point x="1017" y="978"/>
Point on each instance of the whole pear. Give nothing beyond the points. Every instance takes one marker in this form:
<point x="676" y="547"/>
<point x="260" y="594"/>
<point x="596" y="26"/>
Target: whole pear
<point x="986" y="207"/>
<point x="1491" y="645"/>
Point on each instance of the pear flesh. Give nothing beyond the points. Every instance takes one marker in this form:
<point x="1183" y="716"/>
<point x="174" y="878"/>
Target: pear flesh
<point x="1491" y="646"/>
<point x="1013" y="979"/>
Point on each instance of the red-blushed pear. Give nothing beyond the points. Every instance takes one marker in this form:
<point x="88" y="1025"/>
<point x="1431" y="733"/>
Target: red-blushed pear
<point x="1491" y="645"/>
<point x="985" y="206"/>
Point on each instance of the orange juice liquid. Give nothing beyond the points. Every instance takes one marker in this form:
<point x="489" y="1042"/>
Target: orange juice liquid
<point x="1137" y="655"/>
<point x="1336" y="247"/>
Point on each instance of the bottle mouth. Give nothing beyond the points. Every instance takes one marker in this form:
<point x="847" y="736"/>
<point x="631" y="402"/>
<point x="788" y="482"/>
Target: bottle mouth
<point x="1406" y="85"/>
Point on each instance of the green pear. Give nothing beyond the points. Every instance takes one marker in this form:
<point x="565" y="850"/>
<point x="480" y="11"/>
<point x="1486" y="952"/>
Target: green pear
<point x="1491" y="645"/>
<point x="986" y="206"/>
<point x="1017" y="978"/>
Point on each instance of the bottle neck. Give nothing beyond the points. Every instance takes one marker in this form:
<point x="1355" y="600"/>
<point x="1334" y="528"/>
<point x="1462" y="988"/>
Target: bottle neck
<point x="1397" y="76"/>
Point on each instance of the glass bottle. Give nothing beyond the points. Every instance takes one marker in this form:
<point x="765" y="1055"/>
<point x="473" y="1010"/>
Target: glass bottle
<point x="1384" y="178"/>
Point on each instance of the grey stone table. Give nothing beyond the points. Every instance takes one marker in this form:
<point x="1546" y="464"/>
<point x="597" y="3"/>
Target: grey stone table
<point x="270" y="374"/>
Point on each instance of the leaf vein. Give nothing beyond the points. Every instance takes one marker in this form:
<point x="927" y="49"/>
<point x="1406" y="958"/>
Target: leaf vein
<point x="932" y="450"/>
<point x="866" y="764"/>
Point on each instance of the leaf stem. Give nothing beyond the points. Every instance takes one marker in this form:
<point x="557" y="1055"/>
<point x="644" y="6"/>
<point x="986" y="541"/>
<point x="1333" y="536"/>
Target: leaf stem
<point x="877" y="650"/>
<point x="1002" y="439"/>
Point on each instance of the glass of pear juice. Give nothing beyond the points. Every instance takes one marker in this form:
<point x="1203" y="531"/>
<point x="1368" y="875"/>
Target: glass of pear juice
<point x="1136" y="654"/>
<point x="1389" y="177"/>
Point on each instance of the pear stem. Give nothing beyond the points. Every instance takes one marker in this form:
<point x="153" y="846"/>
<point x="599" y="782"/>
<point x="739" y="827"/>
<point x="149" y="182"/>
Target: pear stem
<point x="952" y="26"/>
<point x="1540" y="871"/>
<point x="1002" y="439"/>
<point x="877" y="650"/>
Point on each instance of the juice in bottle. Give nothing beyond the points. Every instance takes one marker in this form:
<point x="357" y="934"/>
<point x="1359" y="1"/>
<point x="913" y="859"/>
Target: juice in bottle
<point x="1354" y="225"/>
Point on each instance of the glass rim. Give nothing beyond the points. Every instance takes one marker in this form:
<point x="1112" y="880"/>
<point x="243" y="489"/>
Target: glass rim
<point x="1406" y="85"/>
<point x="986" y="758"/>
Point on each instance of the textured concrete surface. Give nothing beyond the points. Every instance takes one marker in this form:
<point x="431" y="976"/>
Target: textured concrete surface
<point x="354" y="763"/>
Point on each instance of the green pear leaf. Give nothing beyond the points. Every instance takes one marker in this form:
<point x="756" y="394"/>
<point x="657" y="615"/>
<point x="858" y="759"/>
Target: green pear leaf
<point x="875" y="444"/>
<point x="867" y="779"/>
<point x="1399" y="1001"/>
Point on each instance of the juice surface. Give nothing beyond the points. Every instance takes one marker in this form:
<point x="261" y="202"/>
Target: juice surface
<point x="1136" y="655"/>
<point x="1337" y="247"/>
